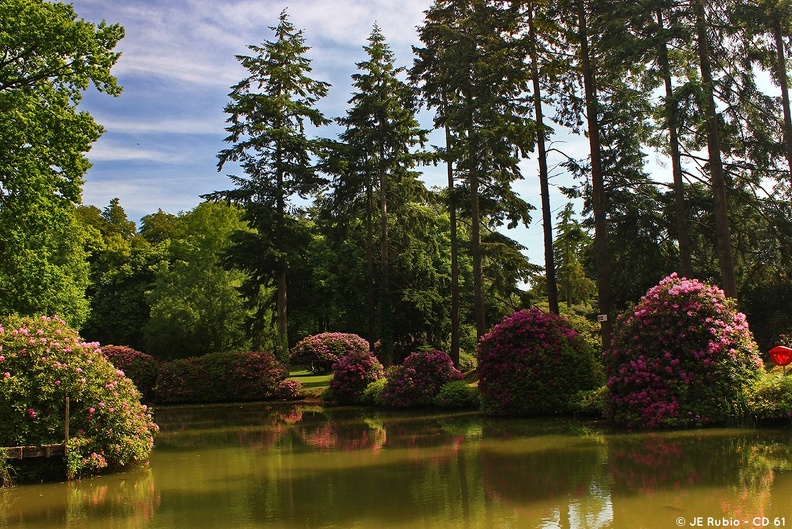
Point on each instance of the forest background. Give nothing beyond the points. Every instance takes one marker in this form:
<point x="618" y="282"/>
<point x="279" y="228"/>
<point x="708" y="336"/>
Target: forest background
<point x="368" y="248"/>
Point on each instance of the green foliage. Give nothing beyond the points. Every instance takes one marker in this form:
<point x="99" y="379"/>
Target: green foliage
<point x="220" y="377"/>
<point x="320" y="351"/>
<point x="769" y="399"/>
<point x="50" y="57"/>
<point x="457" y="394"/>
<point x="196" y="307"/>
<point x="590" y="403"/>
<point x="42" y="362"/>
<point x="121" y="264"/>
<point x="372" y="395"/>
<point x="683" y="357"/>
<point x="534" y="363"/>
<point x="467" y="361"/>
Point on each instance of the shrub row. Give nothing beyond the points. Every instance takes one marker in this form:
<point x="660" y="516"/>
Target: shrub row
<point x="219" y="377"/>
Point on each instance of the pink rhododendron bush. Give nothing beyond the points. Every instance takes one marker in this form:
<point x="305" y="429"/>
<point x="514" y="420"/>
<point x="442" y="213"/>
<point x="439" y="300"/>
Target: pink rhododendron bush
<point x="42" y="361"/>
<point x="139" y="367"/>
<point x="683" y="357"/>
<point x="534" y="363"/>
<point x="320" y="351"/>
<point x="351" y="375"/>
<point x="223" y="377"/>
<point x="418" y="381"/>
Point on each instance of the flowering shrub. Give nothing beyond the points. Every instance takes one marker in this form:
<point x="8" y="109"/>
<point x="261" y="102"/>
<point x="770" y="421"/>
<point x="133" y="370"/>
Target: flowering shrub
<point x="533" y="363"/>
<point x="682" y="357"/>
<point x="220" y="377"/>
<point x="138" y="367"/>
<point x="42" y="361"/>
<point x="320" y="351"/>
<point x="351" y="375"/>
<point x="418" y="380"/>
<point x="288" y="390"/>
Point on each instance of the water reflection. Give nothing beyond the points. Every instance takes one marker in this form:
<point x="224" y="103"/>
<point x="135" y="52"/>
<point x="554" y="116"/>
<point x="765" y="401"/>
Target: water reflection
<point x="294" y="465"/>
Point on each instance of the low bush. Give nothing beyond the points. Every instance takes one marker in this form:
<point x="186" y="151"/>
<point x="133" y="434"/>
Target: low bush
<point x="42" y="361"/>
<point x="320" y="351"/>
<point x="769" y="400"/>
<point x="683" y="357"/>
<point x="534" y="363"/>
<point x="138" y="367"/>
<point x="371" y="396"/>
<point x="289" y="389"/>
<point x="220" y="377"/>
<point x="590" y="403"/>
<point x="457" y="394"/>
<point x="418" y="380"/>
<point x="351" y="375"/>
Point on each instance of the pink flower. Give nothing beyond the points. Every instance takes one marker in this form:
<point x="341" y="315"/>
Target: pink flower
<point x="91" y="410"/>
<point x="32" y="413"/>
<point x="7" y="375"/>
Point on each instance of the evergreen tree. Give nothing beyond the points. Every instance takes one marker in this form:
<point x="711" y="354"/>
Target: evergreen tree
<point x="485" y="107"/>
<point x="268" y="114"/>
<point x="382" y="140"/>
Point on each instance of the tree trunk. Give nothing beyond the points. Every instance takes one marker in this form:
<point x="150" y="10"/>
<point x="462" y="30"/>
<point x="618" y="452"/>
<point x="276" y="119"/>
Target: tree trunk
<point x="370" y="297"/>
<point x="475" y="228"/>
<point x="454" y="353"/>
<point x="386" y="319"/>
<point x="725" y="259"/>
<point x="547" y="216"/>
<point x="783" y="82"/>
<point x="601" y="253"/>
<point x="683" y="234"/>
<point x="282" y="348"/>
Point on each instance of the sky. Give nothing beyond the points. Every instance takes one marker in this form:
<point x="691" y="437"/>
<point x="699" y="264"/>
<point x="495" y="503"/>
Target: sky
<point x="163" y="133"/>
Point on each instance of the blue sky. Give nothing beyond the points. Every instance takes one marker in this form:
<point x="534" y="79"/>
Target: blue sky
<point x="178" y="63"/>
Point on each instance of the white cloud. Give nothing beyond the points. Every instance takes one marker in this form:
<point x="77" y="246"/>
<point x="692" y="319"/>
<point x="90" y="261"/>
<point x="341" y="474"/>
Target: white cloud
<point x="104" y="151"/>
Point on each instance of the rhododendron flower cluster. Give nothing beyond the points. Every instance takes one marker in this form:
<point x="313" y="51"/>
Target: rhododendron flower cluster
<point x="682" y="357"/>
<point x="44" y="362"/>
<point x="418" y="380"/>
<point x="320" y="351"/>
<point x="352" y="374"/>
<point x="139" y="367"/>
<point x="533" y="363"/>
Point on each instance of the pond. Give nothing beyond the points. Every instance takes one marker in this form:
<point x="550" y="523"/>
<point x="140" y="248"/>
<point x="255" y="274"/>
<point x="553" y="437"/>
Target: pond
<point x="295" y="465"/>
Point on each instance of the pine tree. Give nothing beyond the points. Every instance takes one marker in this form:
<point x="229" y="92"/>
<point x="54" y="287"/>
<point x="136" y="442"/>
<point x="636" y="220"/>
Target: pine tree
<point x="268" y="114"/>
<point x="382" y="143"/>
<point x="485" y="107"/>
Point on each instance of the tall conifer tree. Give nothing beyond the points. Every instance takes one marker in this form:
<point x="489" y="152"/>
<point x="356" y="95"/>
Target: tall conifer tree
<point x="268" y="114"/>
<point x="383" y="145"/>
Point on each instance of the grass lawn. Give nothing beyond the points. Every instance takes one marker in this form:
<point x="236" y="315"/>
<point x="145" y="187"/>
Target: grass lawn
<point x="312" y="385"/>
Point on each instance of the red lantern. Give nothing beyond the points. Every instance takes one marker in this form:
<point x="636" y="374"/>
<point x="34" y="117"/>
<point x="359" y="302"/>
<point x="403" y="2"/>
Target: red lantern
<point x="781" y="356"/>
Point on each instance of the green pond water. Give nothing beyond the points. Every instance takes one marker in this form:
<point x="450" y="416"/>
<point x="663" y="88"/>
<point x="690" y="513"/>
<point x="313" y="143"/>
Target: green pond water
<point x="301" y="466"/>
